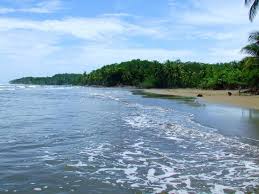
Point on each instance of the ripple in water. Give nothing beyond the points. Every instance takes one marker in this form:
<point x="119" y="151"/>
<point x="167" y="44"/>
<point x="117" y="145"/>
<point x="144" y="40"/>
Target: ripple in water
<point x="117" y="143"/>
<point x="200" y="160"/>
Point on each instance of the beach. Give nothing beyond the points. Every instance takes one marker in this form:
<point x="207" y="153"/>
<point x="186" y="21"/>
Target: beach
<point x="213" y="96"/>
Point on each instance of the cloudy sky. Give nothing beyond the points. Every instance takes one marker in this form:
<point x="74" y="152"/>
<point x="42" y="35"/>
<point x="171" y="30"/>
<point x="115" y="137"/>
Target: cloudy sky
<point x="44" y="37"/>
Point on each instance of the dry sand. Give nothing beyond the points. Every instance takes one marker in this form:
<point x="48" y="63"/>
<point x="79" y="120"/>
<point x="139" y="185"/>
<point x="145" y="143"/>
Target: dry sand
<point x="213" y="96"/>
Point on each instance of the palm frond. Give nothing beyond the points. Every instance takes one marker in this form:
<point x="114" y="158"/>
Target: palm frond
<point x="253" y="9"/>
<point x="254" y="37"/>
<point x="251" y="49"/>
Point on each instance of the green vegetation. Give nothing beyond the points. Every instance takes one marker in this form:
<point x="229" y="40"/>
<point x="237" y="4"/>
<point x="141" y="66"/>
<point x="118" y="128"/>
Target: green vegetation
<point x="59" y="79"/>
<point x="251" y="63"/>
<point x="153" y="74"/>
<point x="252" y="49"/>
<point x="171" y="74"/>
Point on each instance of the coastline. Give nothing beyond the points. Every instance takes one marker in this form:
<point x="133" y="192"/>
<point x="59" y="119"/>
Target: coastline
<point x="212" y="96"/>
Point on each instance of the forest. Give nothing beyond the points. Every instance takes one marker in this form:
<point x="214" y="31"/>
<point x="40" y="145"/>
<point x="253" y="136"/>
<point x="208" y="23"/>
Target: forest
<point x="59" y="79"/>
<point x="154" y="74"/>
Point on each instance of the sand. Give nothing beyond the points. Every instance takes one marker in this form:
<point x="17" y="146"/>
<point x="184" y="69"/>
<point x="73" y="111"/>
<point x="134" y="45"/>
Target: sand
<point x="213" y="96"/>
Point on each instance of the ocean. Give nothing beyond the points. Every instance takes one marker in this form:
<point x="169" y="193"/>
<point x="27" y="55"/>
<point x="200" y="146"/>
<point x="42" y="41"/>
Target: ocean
<point x="62" y="139"/>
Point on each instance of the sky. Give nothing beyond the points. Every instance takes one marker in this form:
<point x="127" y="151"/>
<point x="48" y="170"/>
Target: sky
<point x="45" y="37"/>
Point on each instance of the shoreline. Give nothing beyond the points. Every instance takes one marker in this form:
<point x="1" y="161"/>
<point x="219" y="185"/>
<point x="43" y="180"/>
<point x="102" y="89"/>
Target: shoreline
<point x="212" y="96"/>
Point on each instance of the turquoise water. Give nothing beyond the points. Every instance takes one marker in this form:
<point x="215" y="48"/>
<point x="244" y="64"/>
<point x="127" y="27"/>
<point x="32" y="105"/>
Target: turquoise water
<point x="99" y="140"/>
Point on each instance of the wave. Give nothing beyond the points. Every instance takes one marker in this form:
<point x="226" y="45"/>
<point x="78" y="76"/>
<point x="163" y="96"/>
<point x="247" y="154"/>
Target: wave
<point x="162" y="173"/>
<point x="10" y="87"/>
<point x="200" y="155"/>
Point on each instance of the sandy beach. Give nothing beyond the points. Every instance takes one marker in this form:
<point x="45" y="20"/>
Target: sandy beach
<point x="213" y="96"/>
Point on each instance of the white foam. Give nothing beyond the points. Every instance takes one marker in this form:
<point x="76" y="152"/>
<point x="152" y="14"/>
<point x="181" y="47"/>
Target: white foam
<point x="159" y="175"/>
<point x="91" y="158"/>
<point x="131" y="173"/>
<point x="219" y="189"/>
<point x="151" y="175"/>
<point x="79" y="164"/>
<point x="47" y="157"/>
<point x="21" y="87"/>
<point x="37" y="189"/>
<point x="104" y="96"/>
<point x="32" y="86"/>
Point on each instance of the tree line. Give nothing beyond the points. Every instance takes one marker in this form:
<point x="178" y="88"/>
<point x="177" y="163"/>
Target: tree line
<point x="154" y="74"/>
<point x="59" y="79"/>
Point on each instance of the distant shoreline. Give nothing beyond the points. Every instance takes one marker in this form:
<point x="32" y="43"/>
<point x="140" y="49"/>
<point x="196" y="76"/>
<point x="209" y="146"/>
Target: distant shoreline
<point x="212" y="96"/>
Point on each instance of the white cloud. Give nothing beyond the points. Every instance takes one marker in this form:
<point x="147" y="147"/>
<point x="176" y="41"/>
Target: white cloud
<point x="4" y="10"/>
<point x="220" y="12"/>
<point x="220" y="54"/>
<point x="111" y="55"/>
<point x="95" y="29"/>
<point x="47" y="6"/>
<point x="219" y="28"/>
<point x="17" y="45"/>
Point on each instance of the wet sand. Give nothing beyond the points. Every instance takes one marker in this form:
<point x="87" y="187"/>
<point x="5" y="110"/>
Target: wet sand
<point x="213" y="96"/>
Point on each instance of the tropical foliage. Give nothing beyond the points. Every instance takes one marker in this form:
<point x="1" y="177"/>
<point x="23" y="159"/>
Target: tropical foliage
<point x="251" y="63"/>
<point x="254" y="4"/>
<point x="153" y="74"/>
<point x="59" y="79"/>
<point x="252" y="49"/>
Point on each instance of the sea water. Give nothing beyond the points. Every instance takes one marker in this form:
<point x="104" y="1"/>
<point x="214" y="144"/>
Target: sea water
<point x="57" y="139"/>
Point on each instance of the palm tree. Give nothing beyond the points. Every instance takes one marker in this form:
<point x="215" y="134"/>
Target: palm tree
<point x="252" y="49"/>
<point x="253" y="9"/>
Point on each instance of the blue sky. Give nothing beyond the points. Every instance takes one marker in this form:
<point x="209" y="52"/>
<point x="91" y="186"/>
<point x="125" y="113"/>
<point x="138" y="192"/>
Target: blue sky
<point x="44" y="37"/>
